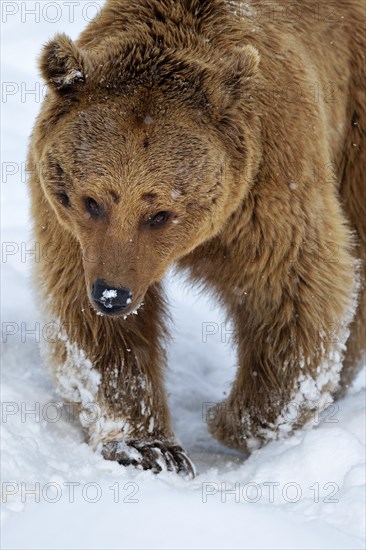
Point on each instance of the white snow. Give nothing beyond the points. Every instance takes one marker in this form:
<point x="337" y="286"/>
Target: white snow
<point x="77" y="380"/>
<point x="107" y="297"/>
<point x="109" y="293"/>
<point x="305" y="492"/>
<point x="69" y="78"/>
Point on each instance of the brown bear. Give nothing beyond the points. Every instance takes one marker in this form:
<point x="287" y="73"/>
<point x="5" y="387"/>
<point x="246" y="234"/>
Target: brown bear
<point x="231" y="145"/>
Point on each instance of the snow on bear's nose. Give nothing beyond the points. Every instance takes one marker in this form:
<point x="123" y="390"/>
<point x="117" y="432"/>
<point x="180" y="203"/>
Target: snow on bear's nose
<point x="108" y="299"/>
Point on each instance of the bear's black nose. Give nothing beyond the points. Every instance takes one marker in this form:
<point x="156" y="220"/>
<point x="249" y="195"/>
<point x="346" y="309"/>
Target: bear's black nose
<point x="110" y="300"/>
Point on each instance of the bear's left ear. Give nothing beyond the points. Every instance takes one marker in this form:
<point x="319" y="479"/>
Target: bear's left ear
<point x="63" y="65"/>
<point x="234" y="76"/>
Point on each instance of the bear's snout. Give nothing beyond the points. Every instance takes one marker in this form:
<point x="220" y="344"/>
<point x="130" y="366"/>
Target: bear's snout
<point x="110" y="300"/>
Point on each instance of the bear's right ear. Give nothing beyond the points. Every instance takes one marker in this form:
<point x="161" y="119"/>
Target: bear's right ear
<point x="237" y="73"/>
<point x="63" y="64"/>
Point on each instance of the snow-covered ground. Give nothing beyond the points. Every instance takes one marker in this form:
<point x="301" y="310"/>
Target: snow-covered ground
<point x="307" y="492"/>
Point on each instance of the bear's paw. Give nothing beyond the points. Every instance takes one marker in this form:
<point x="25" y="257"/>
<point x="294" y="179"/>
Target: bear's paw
<point x="157" y="456"/>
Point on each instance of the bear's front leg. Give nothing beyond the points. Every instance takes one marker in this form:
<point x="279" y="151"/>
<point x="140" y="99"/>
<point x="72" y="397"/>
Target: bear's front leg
<point x="291" y="315"/>
<point x="113" y="368"/>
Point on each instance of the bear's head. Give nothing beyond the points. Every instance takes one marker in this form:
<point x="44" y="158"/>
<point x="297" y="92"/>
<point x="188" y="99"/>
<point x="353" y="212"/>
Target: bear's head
<point x="147" y="152"/>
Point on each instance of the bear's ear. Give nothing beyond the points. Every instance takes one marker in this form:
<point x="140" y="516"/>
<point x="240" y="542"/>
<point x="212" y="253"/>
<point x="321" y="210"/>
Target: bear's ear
<point x="235" y="75"/>
<point x="63" y="64"/>
<point x="244" y="63"/>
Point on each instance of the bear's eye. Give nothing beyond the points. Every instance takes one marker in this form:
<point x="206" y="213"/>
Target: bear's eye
<point x="159" y="219"/>
<point x="64" y="200"/>
<point x="92" y="206"/>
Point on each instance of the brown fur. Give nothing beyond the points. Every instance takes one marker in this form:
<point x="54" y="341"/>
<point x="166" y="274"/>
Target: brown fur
<point x="179" y="106"/>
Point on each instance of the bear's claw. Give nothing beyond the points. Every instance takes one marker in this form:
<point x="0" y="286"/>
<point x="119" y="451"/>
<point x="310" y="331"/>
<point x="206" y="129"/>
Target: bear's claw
<point x="157" y="456"/>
